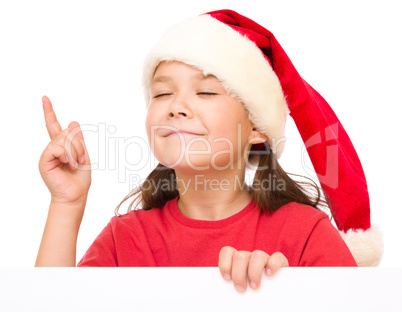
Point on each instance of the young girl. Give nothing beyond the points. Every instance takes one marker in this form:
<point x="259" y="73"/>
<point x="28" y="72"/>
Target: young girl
<point x="218" y="88"/>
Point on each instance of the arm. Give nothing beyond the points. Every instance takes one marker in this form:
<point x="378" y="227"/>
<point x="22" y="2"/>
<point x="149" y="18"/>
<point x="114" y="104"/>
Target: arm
<point x="65" y="167"/>
<point x="58" y="245"/>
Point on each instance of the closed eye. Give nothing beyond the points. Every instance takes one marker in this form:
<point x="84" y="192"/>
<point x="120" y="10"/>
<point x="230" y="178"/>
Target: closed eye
<point x="207" y="93"/>
<point x="162" y="94"/>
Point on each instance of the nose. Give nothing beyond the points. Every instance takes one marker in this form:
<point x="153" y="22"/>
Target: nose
<point x="180" y="107"/>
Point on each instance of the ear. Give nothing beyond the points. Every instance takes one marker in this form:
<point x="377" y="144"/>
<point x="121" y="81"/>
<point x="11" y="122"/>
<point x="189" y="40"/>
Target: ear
<point x="257" y="137"/>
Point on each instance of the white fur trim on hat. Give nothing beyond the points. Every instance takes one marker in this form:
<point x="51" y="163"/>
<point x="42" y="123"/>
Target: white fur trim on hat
<point x="366" y="246"/>
<point x="236" y="61"/>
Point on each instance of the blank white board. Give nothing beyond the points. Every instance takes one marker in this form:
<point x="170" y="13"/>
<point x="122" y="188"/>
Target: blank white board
<point x="198" y="289"/>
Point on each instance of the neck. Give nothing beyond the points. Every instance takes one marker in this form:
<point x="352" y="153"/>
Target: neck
<point x="212" y="196"/>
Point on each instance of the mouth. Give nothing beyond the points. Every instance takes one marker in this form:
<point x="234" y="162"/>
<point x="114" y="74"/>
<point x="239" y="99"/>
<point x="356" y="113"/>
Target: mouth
<point x="182" y="133"/>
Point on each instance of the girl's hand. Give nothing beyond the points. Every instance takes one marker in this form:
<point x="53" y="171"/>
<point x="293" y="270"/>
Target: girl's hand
<point x="67" y="184"/>
<point x="237" y="265"/>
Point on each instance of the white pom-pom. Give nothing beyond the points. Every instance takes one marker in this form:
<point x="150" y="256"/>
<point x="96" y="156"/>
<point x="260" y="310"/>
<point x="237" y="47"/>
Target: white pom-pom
<point x="366" y="246"/>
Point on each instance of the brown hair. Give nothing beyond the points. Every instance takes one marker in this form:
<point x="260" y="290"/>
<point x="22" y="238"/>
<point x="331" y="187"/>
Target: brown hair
<point x="282" y="189"/>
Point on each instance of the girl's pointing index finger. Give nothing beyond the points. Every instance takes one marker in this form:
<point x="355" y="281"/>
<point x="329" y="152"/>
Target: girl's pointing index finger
<point x="52" y="125"/>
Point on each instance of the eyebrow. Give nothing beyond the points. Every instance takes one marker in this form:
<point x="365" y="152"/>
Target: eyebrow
<point x="167" y="78"/>
<point x="161" y="79"/>
<point x="209" y="76"/>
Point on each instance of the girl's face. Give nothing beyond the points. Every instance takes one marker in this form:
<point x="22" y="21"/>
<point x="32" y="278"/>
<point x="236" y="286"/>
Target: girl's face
<point x="193" y="124"/>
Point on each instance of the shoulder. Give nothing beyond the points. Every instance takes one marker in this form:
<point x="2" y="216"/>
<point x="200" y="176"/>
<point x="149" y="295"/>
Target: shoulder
<point x="138" y="217"/>
<point x="295" y="222"/>
<point x="151" y="218"/>
<point x="300" y="214"/>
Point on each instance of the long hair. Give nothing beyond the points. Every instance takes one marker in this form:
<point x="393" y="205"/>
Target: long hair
<point x="271" y="188"/>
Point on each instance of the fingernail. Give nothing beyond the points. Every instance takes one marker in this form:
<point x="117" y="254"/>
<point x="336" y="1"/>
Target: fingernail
<point x="253" y="285"/>
<point x="227" y="277"/>
<point x="76" y="165"/>
<point x="82" y="159"/>
<point x="269" y="272"/>
<point x="239" y="288"/>
<point x="67" y="159"/>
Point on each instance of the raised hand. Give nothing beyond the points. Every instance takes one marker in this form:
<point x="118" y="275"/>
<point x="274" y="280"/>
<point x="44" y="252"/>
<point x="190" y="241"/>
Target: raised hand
<point x="238" y="265"/>
<point x="64" y="165"/>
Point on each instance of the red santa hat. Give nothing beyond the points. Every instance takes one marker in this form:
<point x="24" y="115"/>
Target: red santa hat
<point x="253" y="67"/>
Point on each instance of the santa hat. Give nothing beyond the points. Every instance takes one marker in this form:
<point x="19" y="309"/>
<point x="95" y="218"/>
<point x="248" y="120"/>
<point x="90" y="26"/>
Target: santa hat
<point x="253" y="67"/>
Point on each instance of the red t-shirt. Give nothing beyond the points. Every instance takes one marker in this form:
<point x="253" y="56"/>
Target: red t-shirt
<point x="166" y="237"/>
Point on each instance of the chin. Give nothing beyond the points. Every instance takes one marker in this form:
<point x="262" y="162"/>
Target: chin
<point x="193" y="166"/>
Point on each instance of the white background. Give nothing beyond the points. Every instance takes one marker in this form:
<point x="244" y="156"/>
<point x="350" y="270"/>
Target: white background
<point x="86" y="56"/>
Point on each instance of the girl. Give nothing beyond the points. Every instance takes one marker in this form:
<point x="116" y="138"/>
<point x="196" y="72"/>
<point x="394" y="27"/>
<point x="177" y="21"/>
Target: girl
<point x="218" y="88"/>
